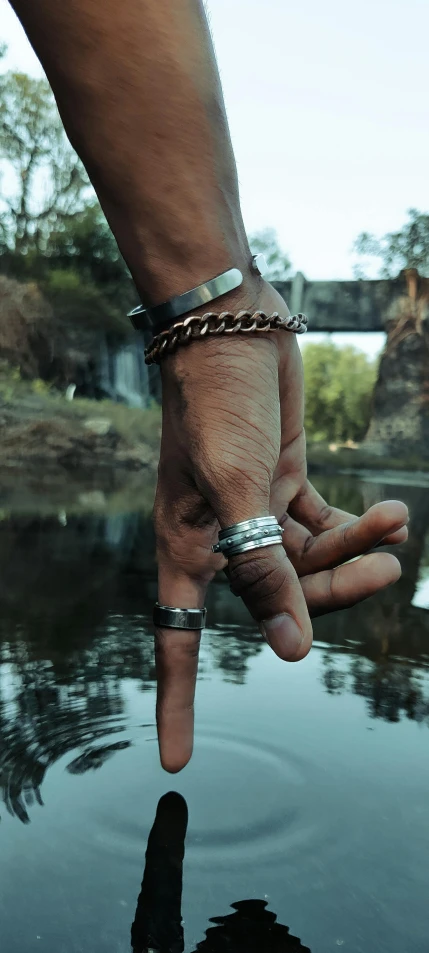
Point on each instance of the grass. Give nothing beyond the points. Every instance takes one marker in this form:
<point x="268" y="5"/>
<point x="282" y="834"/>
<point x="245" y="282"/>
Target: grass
<point x="33" y="411"/>
<point x="37" y="398"/>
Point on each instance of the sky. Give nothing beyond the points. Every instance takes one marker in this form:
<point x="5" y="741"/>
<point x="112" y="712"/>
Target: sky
<point x="329" y="113"/>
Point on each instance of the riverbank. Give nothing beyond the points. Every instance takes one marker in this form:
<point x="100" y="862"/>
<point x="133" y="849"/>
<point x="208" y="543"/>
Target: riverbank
<point x="358" y="461"/>
<point x="100" y="455"/>
<point x="74" y="452"/>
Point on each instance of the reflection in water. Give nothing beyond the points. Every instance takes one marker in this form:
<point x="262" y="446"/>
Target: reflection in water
<point x="52" y="703"/>
<point x="94" y="758"/>
<point x="157" y="926"/>
<point x="393" y="689"/>
<point x="251" y="929"/>
<point x="380" y="641"/>
<point x="232" y="653"/>
<point x="75" y="605"/>
<point x="158" y="920"/>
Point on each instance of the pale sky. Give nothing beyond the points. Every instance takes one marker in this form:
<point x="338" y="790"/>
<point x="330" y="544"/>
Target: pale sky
<point x="329" y="113"/>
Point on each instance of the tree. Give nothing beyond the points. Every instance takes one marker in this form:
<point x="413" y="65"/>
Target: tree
<point x="266" y="243"/>
<point x="44" y="182"/>
<point x="52" y="228"/>
<point x="338" y="386"/>
<point x="85" y="242"/>
<point x="407" y="248"/>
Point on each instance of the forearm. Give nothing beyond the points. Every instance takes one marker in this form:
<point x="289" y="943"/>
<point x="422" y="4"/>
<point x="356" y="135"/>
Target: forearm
<point x="138" y="89"/>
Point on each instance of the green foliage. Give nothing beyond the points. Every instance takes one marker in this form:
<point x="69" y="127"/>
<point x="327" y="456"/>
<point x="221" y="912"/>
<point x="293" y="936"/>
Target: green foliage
<point x="338" y="386"/>
<point x="75" y="297"/>
<point x="39" y="387"/>
<point x="46" y="182"/>
<point x="266" y="243"/>
<point x="88" y="242"/>
<point x="85" y="245"/>
<point x="52" y="230"/>
<point x="10" y="379"/>
<point x="408" y="248"/>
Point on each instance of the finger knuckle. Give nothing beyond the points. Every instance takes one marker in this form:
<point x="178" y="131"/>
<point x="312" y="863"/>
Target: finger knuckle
<point x="257" y="578"/>
<point x="325" y="514"/>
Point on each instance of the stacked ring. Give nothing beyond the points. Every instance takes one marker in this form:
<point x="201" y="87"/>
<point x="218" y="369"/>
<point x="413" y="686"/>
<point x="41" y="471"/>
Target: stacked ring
<point x="249" y="534"/>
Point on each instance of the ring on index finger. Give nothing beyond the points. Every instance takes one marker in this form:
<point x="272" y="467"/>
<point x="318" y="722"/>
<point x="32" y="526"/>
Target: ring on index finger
<point x="170" y="617"/>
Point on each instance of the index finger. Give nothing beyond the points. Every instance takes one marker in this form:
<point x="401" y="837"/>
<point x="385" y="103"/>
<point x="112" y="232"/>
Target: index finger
<point x="176" y="653"/>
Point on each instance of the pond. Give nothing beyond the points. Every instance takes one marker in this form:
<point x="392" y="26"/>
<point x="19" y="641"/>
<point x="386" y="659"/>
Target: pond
<point x="302" y="821"/>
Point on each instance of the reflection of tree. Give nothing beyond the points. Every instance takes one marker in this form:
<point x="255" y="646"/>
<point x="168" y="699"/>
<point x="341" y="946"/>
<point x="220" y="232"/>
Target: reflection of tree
<point x="232" y="652"/>
<point x="377" y="640"/>
<point x="50" y="707"/>
<point x="392" y="688"/>
<point x="374" y="651"/>
<point x="344" y="492"/>
<point x="63" y="651"/>
<point x="94" y="758"/>
<point x="411" y="555"/>
<point x="158" y="921"/>
<point x="71" y="630"/>
<point x="73" y="626"/>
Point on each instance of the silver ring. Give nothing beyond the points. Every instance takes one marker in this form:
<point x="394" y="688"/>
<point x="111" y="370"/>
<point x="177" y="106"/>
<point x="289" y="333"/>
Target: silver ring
<point x="249" y="534"/>
<point x="169" y="617"/>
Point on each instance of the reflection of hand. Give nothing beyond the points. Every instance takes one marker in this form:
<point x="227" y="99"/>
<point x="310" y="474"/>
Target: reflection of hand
<point x="158" y="920"/>
<point x="233" y="447"/>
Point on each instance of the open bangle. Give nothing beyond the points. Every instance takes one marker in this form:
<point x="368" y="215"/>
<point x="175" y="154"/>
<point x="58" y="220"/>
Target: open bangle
<point x="161" y="316"/>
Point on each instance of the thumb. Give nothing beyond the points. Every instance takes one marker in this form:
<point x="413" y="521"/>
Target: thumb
<point x="269" y="586"/>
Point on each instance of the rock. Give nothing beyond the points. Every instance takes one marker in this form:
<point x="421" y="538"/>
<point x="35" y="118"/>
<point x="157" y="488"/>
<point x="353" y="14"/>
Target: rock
<point x="400" y="413"/>
<point x="93" y="498"/>
<point x="99" y="426"/>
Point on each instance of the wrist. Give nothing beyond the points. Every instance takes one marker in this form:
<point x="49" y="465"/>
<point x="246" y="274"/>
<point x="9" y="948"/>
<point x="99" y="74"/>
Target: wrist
<point x="175" y="267"/>
<point x="223" y="350"/>
<point x="172" y="248"/>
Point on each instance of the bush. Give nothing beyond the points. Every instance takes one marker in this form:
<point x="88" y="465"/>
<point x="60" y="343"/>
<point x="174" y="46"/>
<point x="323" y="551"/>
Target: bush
<point x="339" y="382"/>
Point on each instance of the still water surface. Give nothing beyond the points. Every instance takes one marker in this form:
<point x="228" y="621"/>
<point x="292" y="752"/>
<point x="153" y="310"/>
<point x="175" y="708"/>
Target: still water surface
<point x="302" y="821"/>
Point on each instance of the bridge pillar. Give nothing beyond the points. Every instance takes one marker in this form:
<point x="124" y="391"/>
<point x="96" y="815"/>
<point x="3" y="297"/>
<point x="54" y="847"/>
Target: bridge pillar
<point x="399" y="424"/>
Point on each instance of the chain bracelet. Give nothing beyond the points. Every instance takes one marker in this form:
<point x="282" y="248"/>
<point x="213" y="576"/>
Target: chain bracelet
<point x="211" y="325"/>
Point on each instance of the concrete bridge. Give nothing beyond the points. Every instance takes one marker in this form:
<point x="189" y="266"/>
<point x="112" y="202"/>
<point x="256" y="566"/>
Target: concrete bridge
<point x="351" y="305"/>
<point x="399" y="426"/>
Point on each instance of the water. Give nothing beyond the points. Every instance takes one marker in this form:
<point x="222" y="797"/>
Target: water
<point x="304" y="811"/>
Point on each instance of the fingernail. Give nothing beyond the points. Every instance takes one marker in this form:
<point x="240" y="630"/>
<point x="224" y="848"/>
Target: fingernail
<point x="283" y="634"/>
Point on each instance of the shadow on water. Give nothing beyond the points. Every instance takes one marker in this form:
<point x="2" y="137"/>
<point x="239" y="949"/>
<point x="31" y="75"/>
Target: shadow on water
<point x="75" y="604"/>
<point x="158" y="927"/>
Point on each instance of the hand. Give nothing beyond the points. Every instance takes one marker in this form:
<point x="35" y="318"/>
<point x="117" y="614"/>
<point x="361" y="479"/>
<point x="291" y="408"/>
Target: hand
<point x="233" y="447"/>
